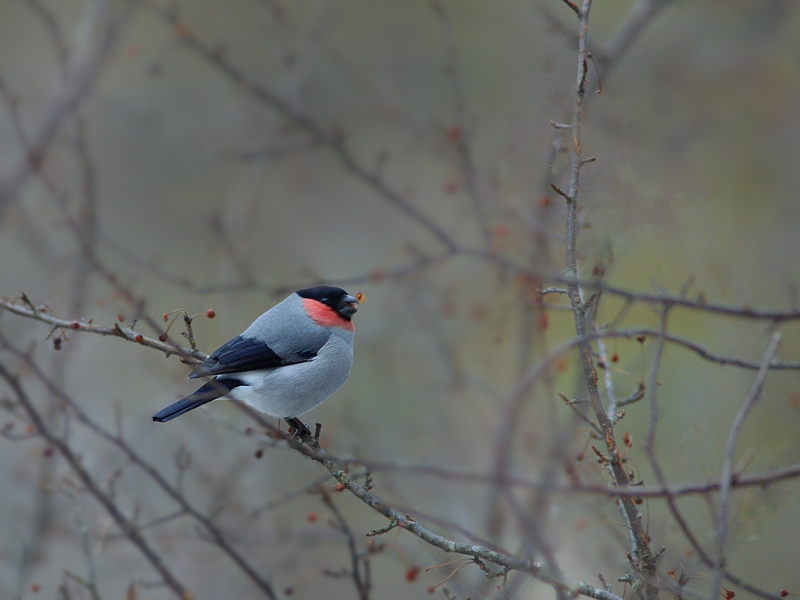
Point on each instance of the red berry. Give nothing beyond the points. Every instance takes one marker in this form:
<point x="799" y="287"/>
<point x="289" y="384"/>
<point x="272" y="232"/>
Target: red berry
<point x="75" y="325"/>
<point x="339" y="487"/>
<point x="628" y="439"/>
<point x="139" y="338"/>
<point x="312" y="517"/>
<point x="258" y="453"/>
<point x="544" y="320"/>
<point x="615" y="357"/>
<point x="501" y="229"/>
<point x="411" y="573"/>
<point x="166" y="317"/>
<point x="210" y="313"/>
<point x="35" y="587"/>
<point x="163" y="337"/>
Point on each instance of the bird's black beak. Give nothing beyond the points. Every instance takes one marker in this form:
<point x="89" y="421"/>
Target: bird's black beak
<point x="347" y="306"/>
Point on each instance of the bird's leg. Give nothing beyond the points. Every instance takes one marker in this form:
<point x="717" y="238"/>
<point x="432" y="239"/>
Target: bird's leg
<point x="300" y="429"/>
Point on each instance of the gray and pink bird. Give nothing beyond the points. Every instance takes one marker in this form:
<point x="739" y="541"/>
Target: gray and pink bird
<point x="286" y="363"/>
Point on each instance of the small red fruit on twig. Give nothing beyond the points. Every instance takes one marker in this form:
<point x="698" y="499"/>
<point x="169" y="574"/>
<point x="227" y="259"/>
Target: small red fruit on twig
<point x="544" y="320"/>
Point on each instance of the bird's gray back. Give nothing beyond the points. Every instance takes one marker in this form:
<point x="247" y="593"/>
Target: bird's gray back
<point x="288" y="330"/>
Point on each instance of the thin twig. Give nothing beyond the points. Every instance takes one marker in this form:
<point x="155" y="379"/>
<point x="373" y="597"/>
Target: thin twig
<point x="727" y="474"/>
<point x="40" y="314"/>
<point x="462" y="137"/>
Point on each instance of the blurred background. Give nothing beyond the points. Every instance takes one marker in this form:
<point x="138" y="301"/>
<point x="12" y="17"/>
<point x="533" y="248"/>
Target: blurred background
<point x="172" y="140"/>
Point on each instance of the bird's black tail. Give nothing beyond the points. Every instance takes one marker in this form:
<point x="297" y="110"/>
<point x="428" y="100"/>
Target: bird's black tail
<point x="210" y="391"/>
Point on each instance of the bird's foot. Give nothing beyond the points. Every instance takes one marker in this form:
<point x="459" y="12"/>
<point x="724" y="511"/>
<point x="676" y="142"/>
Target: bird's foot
<point x="299" y="429"/>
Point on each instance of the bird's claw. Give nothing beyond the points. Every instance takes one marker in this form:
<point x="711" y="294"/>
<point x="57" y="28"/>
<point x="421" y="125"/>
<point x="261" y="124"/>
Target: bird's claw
<point x="299" y="429"/>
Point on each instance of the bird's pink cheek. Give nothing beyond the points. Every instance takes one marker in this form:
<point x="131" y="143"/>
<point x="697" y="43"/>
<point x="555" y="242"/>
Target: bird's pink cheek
<point x="325" y="316"/>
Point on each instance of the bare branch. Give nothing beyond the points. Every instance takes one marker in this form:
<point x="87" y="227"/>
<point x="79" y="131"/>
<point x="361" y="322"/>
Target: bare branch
<point x="330" y="140"/>
<point x="129" y="528"/>
<point x="213" y="532"/>
<point x="127" y="333"/>
<point x="726" y="476"/>
<point x="308" y="447"/>
<point x="74" y="89"/>
<point x="620" y="41"/>
<point x="573" y="6"/>
<point x="689" y="488"/>
<point x="644" y="559"/>
<point x="460" y="135"/>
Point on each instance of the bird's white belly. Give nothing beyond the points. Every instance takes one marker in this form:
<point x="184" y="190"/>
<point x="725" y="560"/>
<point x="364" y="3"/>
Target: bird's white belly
<point x="294" y="390"/>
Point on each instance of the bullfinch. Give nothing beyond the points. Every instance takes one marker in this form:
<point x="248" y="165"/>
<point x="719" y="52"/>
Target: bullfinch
<point x="287" y="362"/>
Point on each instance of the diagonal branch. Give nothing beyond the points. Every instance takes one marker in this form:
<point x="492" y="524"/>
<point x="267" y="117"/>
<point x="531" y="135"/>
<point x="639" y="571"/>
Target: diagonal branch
<point x="310" y="448"/>
<point x="129" y="528"/>
<point x="331" y="140"/>
<point x="77" y="85"/>
<point x="214" y="534"/>
<point x="623" y="37"/>
<point x="726" y="476"/>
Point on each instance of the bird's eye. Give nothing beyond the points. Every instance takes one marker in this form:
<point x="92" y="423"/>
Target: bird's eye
<point x="325" y="301"/>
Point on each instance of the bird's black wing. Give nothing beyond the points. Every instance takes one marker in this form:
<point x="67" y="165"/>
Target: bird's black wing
<point x="246" y="354"/>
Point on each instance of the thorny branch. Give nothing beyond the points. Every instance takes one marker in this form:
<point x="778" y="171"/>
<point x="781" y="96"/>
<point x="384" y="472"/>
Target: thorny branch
<point x="127" y="333"/>
<point x="587" y="332"/>
<point x="310" y="448"/>
<point x="215" y="535"/>
<point x="130" y="529"/>
<point x="644" y="559"/>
